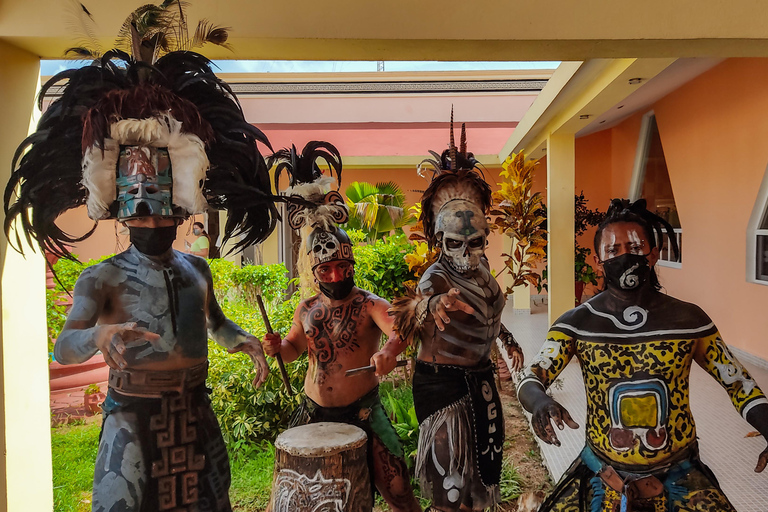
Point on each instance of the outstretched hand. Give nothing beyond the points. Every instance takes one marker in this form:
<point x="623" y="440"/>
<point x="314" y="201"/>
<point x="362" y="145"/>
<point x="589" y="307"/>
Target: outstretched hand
<point x="252" y="347"/>
<point x="445" y="303"/>
<point x="113" y="340"/>
<point x="544" y="415"/>
<point x="516" y="357"/>
<point x="762" y="461"/>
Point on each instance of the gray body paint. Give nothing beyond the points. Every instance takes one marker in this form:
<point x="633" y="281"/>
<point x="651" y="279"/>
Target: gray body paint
<point x="467" y="338"/>
<point x="172" y="297"/>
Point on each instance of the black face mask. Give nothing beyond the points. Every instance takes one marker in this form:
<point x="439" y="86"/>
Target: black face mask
<point x="338" y="290"/>
<point x="626" y="272"/>
<point x="152" y="241"/>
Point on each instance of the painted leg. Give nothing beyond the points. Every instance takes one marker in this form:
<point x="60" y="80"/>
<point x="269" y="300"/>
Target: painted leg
<point x="392" y="479"/>
<point x="120" y="475"/>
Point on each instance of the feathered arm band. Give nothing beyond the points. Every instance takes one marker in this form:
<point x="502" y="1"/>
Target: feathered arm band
<point x="409" y="312"/>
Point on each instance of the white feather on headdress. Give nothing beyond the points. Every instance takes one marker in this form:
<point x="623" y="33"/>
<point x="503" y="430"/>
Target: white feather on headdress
<point x="189" y="163"/>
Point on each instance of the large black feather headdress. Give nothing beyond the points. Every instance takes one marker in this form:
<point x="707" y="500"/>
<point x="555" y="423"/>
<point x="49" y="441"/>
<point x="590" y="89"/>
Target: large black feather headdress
<point x="176" y="101"/>
<point x="455" y="174"/>
<point x="316" y="207"/>
<point x="316" y="200"/>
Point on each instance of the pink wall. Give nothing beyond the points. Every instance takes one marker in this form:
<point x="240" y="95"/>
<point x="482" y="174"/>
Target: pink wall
<point x="713" y="130"/>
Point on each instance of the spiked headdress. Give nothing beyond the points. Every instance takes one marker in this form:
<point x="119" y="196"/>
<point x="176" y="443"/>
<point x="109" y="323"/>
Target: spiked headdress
<point x="152" y="133"/>
<point x="455" y="175"/>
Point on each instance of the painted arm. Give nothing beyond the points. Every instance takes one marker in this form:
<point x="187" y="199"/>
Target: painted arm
<point x="712" y="354"/>
<point x="555" y="354"/>
<point x="514" y="351"/>
<point x="294" y="344"/>
<point x="229" y="335"/>
<point x="386" y="358"/>
<point x="81" y="338"/>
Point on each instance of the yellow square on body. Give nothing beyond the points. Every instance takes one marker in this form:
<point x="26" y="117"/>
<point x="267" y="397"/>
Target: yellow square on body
<point x="639" y="411"/>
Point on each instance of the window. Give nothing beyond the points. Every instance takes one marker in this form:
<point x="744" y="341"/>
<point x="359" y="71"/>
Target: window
<point x="651" y="181"/>
<point x="757" y="237"/>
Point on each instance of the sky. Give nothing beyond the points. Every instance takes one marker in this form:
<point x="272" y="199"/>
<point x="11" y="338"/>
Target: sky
<point x="51" y="67"/>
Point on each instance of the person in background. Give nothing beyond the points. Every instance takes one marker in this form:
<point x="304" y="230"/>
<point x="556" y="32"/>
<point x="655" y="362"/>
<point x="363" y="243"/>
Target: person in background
<point x="202" y="245"/>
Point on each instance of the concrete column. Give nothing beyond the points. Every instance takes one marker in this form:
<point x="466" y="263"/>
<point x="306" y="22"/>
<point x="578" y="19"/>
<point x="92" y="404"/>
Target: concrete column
<point x="25" y="414"/>
<point x="561" y="184"/>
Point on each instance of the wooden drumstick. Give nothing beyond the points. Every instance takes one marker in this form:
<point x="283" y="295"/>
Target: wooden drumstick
<point x="371" y="368"/>
<point x="268" y="326"/>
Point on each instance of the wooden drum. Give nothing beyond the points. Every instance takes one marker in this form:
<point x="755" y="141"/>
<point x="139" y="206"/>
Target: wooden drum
<point x="321" y="467"/>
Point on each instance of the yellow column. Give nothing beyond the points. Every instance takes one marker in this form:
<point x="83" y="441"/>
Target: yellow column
<point x="25" y="475"/>
<point x="560" y="212"/>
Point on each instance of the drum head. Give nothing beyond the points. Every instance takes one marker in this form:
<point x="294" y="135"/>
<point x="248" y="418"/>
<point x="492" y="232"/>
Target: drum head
<point x="320" y="439"/>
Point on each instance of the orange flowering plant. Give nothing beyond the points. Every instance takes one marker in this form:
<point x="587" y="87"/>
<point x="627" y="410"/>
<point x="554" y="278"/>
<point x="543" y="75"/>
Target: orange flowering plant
<point x="519" y="214"/>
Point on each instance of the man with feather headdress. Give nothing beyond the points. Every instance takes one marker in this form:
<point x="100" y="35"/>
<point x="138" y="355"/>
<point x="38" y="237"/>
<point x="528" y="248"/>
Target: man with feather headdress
<point x="340" y="327"/>
<point x="148" y="139"/>
<point x="456" y="314"/>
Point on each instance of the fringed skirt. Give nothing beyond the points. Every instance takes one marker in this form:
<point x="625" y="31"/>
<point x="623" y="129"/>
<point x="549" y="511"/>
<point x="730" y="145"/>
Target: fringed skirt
<point x="453" y="436"/>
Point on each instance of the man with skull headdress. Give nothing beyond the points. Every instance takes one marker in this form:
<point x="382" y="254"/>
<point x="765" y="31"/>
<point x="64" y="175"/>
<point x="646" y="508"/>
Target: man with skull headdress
<point x="456" y="313"/>
<point x="341" y="326"/>
<point x="161" y="140"/>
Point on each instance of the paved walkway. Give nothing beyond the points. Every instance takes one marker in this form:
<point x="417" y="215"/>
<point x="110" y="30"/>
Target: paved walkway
<point x="720" y="428"/>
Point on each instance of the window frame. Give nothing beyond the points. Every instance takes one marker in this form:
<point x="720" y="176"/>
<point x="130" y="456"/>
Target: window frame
<point x="638" y="175"/>
<point x="759" y="211"/>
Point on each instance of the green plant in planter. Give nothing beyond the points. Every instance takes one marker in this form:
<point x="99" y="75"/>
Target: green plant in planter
<point x="92" y="389"/>
<point x="583" y="219"/>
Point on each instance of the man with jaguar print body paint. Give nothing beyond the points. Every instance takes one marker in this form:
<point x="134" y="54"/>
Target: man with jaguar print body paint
<point x="636" y="346"/>
<point x="340" y="326"/>
<point x="456" y="314"/>
<point x="148" y="142"/>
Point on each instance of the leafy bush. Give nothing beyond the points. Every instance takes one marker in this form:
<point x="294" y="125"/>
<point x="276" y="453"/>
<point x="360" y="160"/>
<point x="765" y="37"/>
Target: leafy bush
<point x="398" y="402"/>
<point x="380" y="266"/>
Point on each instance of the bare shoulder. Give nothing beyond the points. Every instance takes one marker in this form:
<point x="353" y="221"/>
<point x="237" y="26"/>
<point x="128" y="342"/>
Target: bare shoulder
<point x="108" y="273"/>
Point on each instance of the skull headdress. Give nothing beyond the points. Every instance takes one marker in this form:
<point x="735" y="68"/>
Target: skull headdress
<point x="315" y="208"/>
<point x="146" y="129"/>
<point x="455" y="205"/>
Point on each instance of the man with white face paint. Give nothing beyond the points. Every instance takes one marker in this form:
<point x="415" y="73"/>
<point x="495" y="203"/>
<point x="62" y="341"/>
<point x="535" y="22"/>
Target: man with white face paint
<point x="636" y="346"/>
<point x="161" y="140"/>
<point x="457" y="316"/>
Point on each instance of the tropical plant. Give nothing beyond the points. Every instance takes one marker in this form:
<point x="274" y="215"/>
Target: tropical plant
<point x="380" y="266"/>
<point x="398" y="402"/>
<point x="423" y="256"/>
<point x="583" y="219"/>
<point x="518" y="215"/>
<point x="376" y="209"/>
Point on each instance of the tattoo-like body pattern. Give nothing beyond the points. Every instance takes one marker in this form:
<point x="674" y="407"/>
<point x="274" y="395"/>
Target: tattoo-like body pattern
<point x="332" y="331"/>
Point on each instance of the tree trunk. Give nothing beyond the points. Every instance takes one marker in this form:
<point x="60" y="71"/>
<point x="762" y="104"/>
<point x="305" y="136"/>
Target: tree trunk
<point x="321" y="467"/>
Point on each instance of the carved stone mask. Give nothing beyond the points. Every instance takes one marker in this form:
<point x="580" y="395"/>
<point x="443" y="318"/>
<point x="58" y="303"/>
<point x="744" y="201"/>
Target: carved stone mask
<point x="462" y="228"/>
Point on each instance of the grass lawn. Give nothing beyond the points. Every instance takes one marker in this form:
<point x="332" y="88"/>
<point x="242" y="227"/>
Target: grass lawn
<point x="74" y="453"/>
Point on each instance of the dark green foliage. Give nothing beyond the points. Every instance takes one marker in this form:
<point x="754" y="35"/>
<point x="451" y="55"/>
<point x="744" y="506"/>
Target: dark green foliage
<point x="398" y="402"/>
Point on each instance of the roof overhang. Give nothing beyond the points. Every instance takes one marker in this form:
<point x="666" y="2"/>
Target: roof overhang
<point x="577" y="94"/>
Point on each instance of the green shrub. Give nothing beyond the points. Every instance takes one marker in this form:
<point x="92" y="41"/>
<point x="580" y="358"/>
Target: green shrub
<point x="380" y="266"/>
<point x="398" y="402"/>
